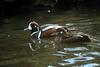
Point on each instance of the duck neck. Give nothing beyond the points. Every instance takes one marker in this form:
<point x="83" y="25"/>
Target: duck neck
<point x="35" y="29"/>
<point x="37" y="33"/>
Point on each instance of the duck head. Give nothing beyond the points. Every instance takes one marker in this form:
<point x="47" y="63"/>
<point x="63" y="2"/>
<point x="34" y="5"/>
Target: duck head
<point x="33" y="27"/>
<point x="35" y="30"/>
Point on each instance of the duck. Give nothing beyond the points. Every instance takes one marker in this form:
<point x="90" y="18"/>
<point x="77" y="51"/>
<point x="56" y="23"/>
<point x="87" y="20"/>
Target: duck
<point x="54" y="30"/>
<point x="45" y="31"/>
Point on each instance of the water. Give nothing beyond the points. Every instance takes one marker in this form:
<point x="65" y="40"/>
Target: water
<point x="15" y="52"/>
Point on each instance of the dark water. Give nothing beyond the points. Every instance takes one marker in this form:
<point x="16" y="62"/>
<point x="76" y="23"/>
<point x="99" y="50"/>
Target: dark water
<point x="15" y="52"/>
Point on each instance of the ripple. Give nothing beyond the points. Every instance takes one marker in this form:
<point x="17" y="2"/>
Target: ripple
<point x="76" y="49"/>
<point x="83" y="58"/>
<point x="69" y="24"/>
<point x="63" y="64"/>
<point x="90" y="65"/>
<point x="93" y="53"/>
<point x="51" y="66"/>
<point x="74" y="60"/>
<point x="78" y="54"/>
<point x="60" y="53"/>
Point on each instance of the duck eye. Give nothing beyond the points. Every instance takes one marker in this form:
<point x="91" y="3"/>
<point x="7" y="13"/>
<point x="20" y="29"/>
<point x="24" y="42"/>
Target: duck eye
<point x="35" y="26"/>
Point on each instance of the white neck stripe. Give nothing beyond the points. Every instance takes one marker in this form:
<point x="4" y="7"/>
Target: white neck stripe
<point x="34" y="33"/>
<point x="39" y="35"/>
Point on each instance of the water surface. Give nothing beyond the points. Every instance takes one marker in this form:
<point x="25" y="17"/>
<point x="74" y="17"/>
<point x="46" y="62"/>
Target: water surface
<point x="15" y="52"/>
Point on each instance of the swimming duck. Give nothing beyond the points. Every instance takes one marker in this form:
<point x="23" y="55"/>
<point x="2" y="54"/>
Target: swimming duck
<point x="51" y="30"/>
<point x="45" y="31"/>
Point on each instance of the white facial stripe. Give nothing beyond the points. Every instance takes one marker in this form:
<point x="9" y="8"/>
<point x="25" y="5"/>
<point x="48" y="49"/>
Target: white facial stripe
<point x="29" y="27"/>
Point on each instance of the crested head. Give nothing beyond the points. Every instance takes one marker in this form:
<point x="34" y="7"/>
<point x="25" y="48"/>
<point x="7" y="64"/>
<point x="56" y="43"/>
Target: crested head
<point x="35" y="30"/>
<point x="33" y="25"/>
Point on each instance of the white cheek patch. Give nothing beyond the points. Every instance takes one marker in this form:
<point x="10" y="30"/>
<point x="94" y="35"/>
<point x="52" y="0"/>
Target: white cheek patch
<point x="29" y="27"/>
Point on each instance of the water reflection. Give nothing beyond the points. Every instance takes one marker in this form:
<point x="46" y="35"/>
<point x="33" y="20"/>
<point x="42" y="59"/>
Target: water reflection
<point x="60" y="53"/>
<point x="76" y="49"/>
<point x="75" y="60"/>
<point x="90" y="65"/>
